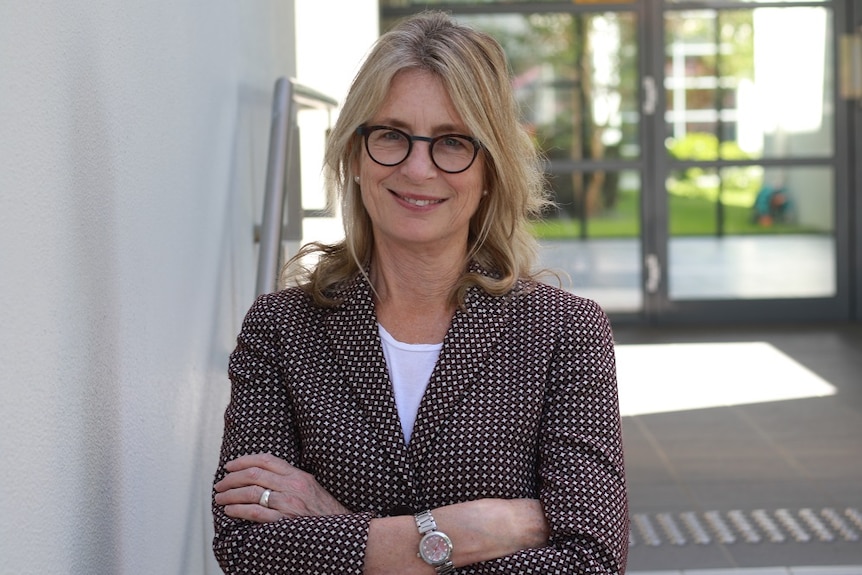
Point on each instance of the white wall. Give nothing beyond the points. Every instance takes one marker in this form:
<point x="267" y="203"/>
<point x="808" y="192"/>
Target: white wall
<point x="132" y="155"/>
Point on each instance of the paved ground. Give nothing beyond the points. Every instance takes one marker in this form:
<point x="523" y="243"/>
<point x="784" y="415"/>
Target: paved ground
<point x="743" y="479"/>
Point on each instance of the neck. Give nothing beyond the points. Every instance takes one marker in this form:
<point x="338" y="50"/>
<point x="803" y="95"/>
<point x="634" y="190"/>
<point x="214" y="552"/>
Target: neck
<point x="413" y="294"/>
<point x="402" y="275"/>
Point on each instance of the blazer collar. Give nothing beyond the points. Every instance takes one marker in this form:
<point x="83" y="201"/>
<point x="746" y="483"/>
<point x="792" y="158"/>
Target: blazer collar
<point x="470" y="341"/>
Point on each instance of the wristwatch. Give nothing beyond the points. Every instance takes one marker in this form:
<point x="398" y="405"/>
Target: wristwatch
<point x="435" y="548"/>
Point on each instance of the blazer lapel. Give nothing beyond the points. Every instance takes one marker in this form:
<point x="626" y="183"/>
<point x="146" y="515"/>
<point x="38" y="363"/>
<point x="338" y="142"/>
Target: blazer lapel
<point x="466" y="349"/>
<point x="352" y="331"/>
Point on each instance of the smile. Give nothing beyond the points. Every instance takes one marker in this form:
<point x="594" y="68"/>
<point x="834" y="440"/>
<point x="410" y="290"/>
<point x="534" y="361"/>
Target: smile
<point x="419" y="203"/>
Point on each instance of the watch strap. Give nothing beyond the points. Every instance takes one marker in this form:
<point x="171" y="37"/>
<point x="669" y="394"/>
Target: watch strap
<point x="426" y="524"/>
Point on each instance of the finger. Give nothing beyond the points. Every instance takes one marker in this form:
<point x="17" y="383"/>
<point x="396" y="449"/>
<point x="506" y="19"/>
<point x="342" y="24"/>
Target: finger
<point x="263" y="460"/>
<point x="250" y="476"/>
<point x="241" y="496"/>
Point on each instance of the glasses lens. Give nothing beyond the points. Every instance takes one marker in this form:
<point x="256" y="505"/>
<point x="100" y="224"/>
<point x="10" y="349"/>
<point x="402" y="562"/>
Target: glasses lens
<point x="388" y="146"/>
<point x="453" y="153"/>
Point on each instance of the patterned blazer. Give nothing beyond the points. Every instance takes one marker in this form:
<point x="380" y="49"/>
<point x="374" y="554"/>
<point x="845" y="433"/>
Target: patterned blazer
<point x="522" y="403"/>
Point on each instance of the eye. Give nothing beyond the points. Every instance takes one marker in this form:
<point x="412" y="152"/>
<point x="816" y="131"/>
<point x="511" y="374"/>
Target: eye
<point x="453" y="143"/>
<point x="393" y="136"/>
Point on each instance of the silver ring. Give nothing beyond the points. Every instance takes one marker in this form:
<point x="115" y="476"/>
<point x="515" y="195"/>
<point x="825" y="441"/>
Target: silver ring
<point x="264" y="498"/>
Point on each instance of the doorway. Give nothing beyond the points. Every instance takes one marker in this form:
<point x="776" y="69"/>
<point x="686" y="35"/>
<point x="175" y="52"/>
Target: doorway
<point x="696" y="150"/>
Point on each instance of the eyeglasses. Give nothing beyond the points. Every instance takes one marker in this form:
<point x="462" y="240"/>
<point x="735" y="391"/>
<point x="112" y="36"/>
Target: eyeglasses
<point x="451" y="153"/>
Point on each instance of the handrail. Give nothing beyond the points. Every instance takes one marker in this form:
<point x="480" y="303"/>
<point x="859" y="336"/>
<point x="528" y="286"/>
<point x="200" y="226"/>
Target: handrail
<point x="288" y="98"/>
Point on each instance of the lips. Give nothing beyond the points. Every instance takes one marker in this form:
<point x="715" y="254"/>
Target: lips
<point x="418" y="203"/>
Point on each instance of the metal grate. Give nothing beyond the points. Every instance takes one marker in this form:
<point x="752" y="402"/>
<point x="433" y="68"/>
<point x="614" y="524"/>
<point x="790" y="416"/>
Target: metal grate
<point x="738" y="527"/>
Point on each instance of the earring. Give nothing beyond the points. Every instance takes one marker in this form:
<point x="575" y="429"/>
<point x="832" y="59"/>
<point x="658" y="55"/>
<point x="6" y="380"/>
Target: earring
<point x="485" y="193"/>
<point x="356" y="179"/>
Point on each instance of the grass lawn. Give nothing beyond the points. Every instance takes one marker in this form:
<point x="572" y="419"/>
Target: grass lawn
<point x="689" y="216"/>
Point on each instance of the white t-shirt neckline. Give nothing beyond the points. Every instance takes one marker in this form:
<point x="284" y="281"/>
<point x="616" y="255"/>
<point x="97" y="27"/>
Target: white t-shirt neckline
<point x="410" y="366"/>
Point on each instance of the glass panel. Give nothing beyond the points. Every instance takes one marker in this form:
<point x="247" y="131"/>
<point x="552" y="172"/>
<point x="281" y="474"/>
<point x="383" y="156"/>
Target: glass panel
<point x="423" y="3"/>
<point x="576" y="78"/>
<point x="747" y="1"/>
<point x="314" y="125"/>
<point x="752" y="233"/>
<point x="749" y="84"/>
<point x="577" y="81"/>
<point x="594" y="238"/>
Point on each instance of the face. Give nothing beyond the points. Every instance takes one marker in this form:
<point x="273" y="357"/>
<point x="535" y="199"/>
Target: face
<point x="415" y="204"/>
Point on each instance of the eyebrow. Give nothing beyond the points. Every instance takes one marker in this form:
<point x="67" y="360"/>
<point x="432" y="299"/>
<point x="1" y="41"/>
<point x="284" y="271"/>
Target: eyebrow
<point x="441" y="129"/>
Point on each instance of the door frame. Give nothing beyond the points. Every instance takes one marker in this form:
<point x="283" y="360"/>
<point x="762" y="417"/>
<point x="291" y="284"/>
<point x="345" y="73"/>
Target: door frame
<point x="658" y="306"/>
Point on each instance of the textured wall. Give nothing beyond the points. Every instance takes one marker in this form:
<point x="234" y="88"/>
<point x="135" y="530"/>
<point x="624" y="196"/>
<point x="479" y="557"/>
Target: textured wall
<point x="132" y="157"/>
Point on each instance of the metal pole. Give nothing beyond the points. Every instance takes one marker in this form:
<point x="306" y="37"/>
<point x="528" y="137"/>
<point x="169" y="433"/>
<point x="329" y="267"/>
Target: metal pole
<point x="273" y="200"/>
<point x="283" y="154"/>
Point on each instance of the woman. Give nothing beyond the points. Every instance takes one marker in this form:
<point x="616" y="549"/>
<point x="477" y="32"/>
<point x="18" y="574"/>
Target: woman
<point x="418" y="402"/>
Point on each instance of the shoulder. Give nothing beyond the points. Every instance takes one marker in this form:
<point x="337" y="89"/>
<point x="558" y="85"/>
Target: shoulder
<point x="294" y="308"/>
<point x="540" y="298"/>
<point x="281" y="310"/>
<point x="290" y="299"/>
<point x="558" y="313"/>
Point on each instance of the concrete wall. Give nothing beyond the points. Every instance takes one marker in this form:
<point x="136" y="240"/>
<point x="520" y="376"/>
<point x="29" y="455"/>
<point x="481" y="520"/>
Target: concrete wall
<point x="133" y="141"/>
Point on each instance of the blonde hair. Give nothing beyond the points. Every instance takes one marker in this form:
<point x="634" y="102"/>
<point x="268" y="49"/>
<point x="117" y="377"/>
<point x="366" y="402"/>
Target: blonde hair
<point x="474" y="71"/>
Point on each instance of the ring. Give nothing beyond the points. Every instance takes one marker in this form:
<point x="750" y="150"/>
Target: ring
<point x="264" y="498"/>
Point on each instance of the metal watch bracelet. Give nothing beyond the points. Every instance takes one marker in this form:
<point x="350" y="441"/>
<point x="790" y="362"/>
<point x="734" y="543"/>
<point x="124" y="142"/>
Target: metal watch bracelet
<point x="433" y="539"/>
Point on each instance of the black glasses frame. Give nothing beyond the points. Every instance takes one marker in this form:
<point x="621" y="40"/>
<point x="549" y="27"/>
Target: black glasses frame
<point x="366" y="131"/>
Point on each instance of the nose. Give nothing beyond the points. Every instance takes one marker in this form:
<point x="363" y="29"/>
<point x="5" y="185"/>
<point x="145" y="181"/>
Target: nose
<point x="418" y="164"/>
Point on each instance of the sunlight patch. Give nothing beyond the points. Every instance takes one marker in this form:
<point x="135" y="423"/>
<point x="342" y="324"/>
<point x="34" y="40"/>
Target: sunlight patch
<point x="657" y="378"/>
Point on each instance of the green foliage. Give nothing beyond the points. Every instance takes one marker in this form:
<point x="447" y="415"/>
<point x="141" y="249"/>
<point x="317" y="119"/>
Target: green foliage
<point x="695" y="146"/>
<point x="620" y="221"/>
<point x="688" y="215"/>
<point x="702" y="146"/>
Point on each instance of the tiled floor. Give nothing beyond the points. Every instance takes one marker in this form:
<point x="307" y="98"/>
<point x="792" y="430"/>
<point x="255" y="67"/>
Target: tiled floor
<point x="743" y="480"/>
<point x="802" y="570"/>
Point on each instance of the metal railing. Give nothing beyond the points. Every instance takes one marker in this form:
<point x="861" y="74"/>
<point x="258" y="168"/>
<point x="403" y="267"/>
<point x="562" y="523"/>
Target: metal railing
<point x="282" y="201"/>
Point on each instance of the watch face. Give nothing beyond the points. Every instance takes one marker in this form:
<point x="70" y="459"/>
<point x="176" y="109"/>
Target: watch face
<point x="435" y="547"/>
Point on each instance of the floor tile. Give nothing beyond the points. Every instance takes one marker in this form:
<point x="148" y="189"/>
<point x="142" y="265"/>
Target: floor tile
<point x="753" y="461"/>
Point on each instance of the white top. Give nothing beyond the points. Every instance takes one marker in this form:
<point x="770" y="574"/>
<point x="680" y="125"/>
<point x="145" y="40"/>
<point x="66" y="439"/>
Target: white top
<point x="410" y="366"/>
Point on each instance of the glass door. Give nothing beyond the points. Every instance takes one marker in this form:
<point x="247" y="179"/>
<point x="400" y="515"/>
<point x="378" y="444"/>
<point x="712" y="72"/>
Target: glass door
<point x="695" y="149"/>
<point x="576" y="68"/>
<point x="750" y="169"/>
<point x="576" y="77"/>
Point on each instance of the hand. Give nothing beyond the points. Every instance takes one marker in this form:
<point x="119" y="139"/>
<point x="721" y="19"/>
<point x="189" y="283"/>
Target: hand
<point x="295" y="493"/>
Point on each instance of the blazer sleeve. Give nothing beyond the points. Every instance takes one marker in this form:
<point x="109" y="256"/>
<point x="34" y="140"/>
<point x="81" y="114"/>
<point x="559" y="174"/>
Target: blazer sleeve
<point x="581" y="474"/>
<point x="259" y="419"/>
